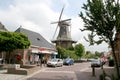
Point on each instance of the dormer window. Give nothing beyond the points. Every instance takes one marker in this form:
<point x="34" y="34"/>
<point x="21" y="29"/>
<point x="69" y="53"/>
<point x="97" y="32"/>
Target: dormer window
<point x="38" y="39"/>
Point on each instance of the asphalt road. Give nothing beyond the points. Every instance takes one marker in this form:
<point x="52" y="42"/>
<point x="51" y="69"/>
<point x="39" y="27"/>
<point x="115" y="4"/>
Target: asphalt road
<point x="78" y="71"/>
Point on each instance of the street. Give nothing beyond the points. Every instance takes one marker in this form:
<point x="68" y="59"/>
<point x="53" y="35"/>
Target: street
<point x="78" y="71"/>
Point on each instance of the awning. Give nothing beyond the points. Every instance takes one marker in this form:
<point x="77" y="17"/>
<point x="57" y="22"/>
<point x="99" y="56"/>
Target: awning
<point x="38" y="51"/>
<point x="41" y="52"/>
<point x="45" y="51"/>
<point x="55" y="53"/>
<point x="35" y="51"/>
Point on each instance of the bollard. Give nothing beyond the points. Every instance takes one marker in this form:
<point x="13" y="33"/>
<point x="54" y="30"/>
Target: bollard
<point x="93" y="71"/>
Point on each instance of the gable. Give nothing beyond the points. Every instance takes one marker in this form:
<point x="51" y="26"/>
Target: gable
<point x="2" y="27"/>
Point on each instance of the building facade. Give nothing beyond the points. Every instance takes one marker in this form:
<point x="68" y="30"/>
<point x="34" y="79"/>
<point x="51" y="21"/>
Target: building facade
<point x="39" y="46"/>
<point x="2" y="28"/>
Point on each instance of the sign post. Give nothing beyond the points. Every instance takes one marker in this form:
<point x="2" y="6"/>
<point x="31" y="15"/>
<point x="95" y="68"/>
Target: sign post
<point x="93" y="71"/>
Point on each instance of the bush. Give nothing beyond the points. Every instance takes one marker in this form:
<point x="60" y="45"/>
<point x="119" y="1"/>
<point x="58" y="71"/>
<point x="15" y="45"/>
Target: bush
<point x="64" y="53"/>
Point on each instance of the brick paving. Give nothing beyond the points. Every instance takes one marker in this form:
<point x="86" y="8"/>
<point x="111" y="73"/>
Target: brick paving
<point x="5" y="76"/>
<point x="84" y="74"/>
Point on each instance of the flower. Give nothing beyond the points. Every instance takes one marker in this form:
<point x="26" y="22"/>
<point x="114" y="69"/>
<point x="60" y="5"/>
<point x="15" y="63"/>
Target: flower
<point x="18" y="57"/>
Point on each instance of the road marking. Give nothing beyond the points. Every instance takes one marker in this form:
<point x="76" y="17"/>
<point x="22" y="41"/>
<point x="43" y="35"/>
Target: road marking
<point x="28" y="76"/>
<point x="59" y="71"/>
<point x="84" y="69"/>
<point x="43" y="69"/>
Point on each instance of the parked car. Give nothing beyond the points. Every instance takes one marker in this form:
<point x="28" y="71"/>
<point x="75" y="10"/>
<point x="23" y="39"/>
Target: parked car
<point x="55" y="62"/>
<point x="68" y="61"/>
<point x="96" y="63"/>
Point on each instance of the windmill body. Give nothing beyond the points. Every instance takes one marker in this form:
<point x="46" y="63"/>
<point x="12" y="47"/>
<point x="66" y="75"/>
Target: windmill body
<point x="64" y="36"/>
<point x="64" y="32"/>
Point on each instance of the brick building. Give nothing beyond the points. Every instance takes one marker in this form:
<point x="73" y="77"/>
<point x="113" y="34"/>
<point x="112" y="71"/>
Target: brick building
<point x="39" y="46"/>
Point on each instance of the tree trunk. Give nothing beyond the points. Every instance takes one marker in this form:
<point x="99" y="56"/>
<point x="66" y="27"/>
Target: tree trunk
<point x="115" y="60"/>
<point x="9" y="57"/>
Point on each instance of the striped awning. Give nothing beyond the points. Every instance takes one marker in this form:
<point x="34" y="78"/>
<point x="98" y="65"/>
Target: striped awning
<point x="43" y="51"/>
<point x="35" y="51"/>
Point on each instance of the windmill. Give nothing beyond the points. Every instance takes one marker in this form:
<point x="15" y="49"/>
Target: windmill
<point x="64" y="36"/>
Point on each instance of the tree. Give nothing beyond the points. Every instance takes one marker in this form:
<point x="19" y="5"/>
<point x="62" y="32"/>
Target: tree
<point x="98" y="54"/>
<point x="64" y="53"/>
<point x="102" y="19"/>
<point x="89" y="54"/>
<point x="79" y="50"/>
<point x="71" y="48"/>
<point x="10" y="41"/>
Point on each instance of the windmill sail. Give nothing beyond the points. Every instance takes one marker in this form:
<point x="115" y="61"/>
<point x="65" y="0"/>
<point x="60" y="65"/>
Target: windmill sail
<point x="58" y="21"/>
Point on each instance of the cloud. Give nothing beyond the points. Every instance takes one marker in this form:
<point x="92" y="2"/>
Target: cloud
<point x="37" y="15"/>
<point x="65" y="2"/>
<point x="32" y="15"/>
<point x="78" y="24"/>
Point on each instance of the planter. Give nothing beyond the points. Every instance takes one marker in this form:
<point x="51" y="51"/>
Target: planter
<point x="14" y="66"/>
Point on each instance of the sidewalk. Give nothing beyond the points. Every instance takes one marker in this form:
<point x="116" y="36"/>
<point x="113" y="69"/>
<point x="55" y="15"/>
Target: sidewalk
<point x="87" y="74"/>
<point x="98" y="72"/>
<point x="5" y="76"/>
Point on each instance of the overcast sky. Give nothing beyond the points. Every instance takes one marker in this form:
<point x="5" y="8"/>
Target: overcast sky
<point x="37" y="15"/>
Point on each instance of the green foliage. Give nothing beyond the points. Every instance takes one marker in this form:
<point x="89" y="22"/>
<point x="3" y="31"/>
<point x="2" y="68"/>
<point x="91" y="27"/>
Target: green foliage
<point x="10" y="41"/>
<point x="79" y="50"/>
<point x="64" y="53"/>
<point x="88" y="55"/>
<point x="98" y="54"/>
<point x="92" y="55"/>
<point x="73" y="52"/>
<point x="103" y="25"/>
<point x="71" y="48"/>
<point x="73" y="55"/>
<point x="102" y="19"/>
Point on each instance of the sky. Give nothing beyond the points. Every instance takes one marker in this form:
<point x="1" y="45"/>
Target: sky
<point x="37" y="15"/>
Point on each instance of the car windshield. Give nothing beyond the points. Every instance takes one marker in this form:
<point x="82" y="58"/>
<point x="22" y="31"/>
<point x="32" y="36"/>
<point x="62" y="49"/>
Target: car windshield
<point x="54" y="60"/>
<point x="95" y="61"/>
<point x="67" y="58"/>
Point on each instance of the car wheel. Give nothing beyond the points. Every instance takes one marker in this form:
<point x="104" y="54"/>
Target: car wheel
<point x="69" y="64"/>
